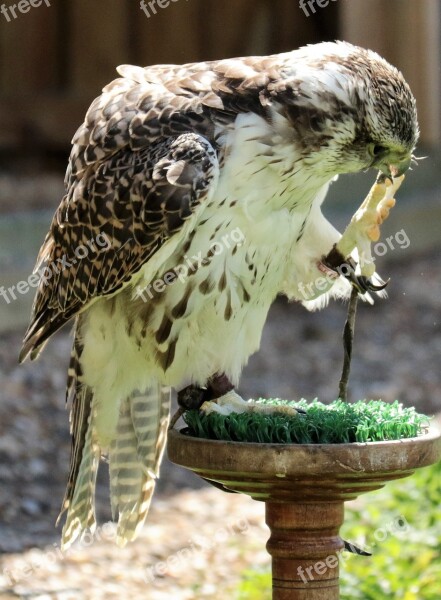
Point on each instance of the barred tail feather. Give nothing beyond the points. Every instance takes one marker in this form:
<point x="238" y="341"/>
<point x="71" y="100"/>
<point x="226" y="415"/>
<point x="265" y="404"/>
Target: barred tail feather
<point x="81" y="507"/>
<point x="85" y="453"/>
<point x="135" y="456"/>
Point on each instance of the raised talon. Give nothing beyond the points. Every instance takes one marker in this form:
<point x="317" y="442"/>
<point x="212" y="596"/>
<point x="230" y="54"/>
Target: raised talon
<point x="364" y="284"/>
<point x="356" y="281"/>
<point x="369" y="286"/>
<point x="346" y="267"/>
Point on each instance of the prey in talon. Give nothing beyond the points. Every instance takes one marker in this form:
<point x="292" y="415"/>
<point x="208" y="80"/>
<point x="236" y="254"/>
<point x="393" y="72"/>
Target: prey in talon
<point x="219" y="396"/>
<point x="202" y="185"/>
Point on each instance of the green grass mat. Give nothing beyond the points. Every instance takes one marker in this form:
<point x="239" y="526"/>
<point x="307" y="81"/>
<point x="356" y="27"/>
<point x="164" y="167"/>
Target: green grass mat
<point x="336" y="423"/>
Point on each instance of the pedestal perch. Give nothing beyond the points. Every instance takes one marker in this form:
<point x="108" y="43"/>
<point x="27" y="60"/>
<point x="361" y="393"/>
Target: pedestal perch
<point x="304" y="487"/>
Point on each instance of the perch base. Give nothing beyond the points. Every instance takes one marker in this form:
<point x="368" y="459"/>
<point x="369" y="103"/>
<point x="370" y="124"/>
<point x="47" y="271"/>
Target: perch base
<point x="304" y="487"/>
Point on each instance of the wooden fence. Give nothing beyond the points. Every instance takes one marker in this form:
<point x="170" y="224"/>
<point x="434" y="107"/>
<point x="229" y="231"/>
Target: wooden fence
<point x="55" y="59"/>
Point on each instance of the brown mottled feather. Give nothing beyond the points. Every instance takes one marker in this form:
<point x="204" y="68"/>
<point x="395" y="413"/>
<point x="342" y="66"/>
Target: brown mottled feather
<point x="132" y="224"/>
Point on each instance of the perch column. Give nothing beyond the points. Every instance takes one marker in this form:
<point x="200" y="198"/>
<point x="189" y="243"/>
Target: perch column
<point x="305" y="545"/>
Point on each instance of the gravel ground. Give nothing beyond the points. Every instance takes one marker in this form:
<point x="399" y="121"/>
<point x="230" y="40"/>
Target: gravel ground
<point x="196" y="545"/>
<point x="397" y="355"/>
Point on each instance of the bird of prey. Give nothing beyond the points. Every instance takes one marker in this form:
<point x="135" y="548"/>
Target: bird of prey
<point x="206" y="181"/>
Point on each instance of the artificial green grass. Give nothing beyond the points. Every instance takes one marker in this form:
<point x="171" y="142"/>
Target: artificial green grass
<point x="336" y="423"/>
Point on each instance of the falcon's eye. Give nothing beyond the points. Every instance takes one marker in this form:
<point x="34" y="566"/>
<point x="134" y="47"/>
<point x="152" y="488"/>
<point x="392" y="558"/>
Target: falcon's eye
<point x="378" y="150"/>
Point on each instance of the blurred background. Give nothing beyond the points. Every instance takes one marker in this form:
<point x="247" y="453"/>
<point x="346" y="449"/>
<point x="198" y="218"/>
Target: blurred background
<point x="54" y="59"/>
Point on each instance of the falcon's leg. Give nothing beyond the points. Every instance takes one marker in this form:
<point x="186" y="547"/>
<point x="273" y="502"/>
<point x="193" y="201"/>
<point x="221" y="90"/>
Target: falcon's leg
<point x="194" y="397"/>
<point x="334" y="262"/>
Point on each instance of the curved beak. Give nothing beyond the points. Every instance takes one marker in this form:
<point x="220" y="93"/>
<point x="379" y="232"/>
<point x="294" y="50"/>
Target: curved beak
<point x="396" y="168"/>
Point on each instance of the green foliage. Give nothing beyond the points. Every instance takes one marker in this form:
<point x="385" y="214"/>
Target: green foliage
<point x="255" y="585"/>
<point x="401" y="526"/>
<point x="336" y="423"/>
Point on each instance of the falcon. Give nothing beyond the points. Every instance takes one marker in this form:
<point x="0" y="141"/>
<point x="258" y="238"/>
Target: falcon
<point x="206" y="182"/>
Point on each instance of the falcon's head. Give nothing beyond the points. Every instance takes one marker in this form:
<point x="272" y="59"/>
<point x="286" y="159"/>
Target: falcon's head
<point x="351" y="110"/>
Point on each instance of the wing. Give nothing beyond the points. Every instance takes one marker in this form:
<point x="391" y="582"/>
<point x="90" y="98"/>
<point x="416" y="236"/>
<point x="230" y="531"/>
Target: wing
<point x="116" y="215"/>
<point x="141" y="163"/>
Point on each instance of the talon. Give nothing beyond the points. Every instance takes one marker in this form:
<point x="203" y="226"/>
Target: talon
<point x="363" y="284"/>
<point x="368" y="286"/>
<point x="356" y="281"/>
